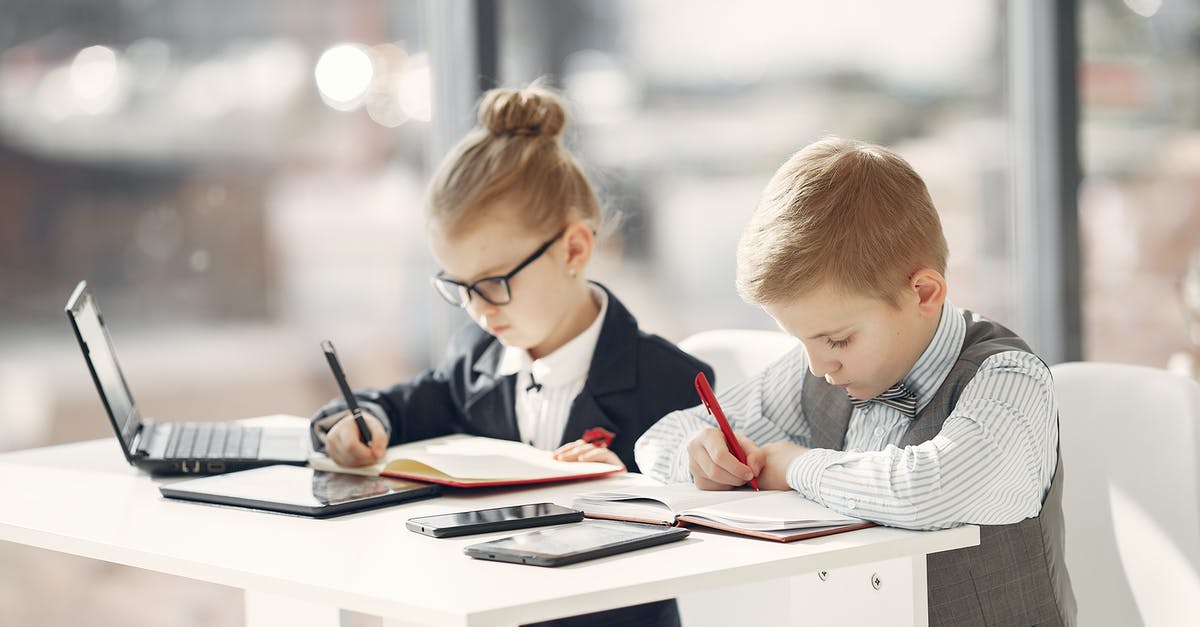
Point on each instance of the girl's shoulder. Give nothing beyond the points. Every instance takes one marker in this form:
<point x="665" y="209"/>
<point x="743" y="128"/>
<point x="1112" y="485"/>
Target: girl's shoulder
<point x="658" y="349"/>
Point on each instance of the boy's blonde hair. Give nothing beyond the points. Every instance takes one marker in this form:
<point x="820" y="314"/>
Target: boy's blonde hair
<point x="839" y="213"/>
<point x="514" y="155"/>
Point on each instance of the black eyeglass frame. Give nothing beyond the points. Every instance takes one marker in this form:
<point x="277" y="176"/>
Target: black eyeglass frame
<point x="503" y="280"/>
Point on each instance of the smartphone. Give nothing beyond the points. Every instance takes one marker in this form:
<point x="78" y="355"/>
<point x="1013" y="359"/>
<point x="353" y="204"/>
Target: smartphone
<point x="567" y="545"/>
<point x="495" y="519"/>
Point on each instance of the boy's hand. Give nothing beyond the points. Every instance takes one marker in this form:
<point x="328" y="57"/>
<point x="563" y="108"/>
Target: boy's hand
<point x="712" y="466"/>
<point x="771" y="461"/>
<point x="343" y="445"/>
<point x="580" y="451"/>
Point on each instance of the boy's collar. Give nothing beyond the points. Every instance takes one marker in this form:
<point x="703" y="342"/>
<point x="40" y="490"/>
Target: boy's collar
<point x="934" y="364"/>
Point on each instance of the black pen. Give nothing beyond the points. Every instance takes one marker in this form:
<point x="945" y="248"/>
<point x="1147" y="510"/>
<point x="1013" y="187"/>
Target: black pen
<point x="364" y="433"/>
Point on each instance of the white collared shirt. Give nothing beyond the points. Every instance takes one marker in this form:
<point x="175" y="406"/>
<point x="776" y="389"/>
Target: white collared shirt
<point x="542" y="414"/>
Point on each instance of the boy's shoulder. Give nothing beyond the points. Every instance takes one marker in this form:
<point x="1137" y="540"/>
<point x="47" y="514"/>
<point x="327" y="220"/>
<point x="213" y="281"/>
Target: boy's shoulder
<point x="990" y="349"/>
<point x="985" y="337"/>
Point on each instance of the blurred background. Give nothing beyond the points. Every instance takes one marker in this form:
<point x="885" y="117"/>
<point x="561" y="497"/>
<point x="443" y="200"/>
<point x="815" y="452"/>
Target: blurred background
<point x="237" y="181"/>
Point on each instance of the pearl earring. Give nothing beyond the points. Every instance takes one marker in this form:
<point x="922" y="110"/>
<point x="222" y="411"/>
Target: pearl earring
<point x="572" y="273"/>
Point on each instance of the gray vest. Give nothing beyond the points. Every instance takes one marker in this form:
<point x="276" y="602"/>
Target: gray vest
<point x="1016" y="576"/>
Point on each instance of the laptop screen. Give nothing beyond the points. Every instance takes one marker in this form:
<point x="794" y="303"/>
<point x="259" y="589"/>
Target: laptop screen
<point x="102" y="360"/>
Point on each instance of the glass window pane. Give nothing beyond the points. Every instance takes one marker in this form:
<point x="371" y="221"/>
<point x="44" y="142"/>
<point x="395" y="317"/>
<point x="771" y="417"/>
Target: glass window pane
<point x="235" y="181"/>
<point x="1140" y="198"/>
<point x="683" y="110"/>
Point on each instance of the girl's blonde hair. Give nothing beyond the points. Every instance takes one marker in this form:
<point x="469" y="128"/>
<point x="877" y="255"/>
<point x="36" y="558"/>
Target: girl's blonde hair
<point x="839" y="213"/>
<point x="515" y="155"/>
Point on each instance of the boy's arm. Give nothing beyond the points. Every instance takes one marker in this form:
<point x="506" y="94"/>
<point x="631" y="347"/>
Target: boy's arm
<point x="764" y="408"/>
<point x="992" y="462"/>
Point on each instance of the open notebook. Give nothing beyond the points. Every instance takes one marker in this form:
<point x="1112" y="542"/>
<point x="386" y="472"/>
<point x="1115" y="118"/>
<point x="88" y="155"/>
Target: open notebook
<point x="467" y="461"/>
<point x="771" y="514"/>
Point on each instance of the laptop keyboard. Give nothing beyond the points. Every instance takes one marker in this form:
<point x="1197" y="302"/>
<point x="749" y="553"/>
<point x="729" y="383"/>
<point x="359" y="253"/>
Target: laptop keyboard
<point x="202" y="440"/>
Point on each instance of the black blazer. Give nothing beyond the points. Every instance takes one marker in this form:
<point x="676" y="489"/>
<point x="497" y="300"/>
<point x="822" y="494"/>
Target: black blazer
<point x="634" y="379"/>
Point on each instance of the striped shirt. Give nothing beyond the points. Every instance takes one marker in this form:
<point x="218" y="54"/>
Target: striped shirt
<point x="992" y="462"/>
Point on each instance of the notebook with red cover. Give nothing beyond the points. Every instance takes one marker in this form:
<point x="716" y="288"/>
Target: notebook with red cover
<point x="467" y="461"/>
<point x="783" y="516"/>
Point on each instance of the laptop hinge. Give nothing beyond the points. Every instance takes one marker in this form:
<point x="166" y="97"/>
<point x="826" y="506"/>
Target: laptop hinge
<point x="141" y="439"/>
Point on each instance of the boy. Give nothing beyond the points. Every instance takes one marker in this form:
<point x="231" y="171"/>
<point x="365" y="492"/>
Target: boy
<point x="913" y="414"/>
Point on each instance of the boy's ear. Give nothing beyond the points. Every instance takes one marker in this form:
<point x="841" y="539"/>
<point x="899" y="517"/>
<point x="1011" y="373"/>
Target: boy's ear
<point x="580" y="243"/>
<point x="930" y="288"/>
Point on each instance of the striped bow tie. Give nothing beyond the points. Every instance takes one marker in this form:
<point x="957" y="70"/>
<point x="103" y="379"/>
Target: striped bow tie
<point x="897" y="397"/>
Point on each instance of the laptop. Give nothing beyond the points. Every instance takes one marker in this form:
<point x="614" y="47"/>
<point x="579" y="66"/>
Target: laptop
<point x="172" y="448"/>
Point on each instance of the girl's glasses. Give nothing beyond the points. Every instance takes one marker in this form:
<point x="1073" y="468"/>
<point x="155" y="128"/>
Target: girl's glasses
<point x="493" y="289"/>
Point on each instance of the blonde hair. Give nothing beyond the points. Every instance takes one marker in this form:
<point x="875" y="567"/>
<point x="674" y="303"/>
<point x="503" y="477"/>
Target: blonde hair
<point x="515" y="155"/>
<point x="839" y="213"/>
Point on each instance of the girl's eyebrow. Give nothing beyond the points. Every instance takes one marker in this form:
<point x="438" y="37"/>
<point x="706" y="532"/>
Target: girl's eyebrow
<point x="491" y="271"/>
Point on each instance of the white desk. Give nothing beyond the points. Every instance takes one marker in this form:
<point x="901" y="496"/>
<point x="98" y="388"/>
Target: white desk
<point x="83" y="499"/>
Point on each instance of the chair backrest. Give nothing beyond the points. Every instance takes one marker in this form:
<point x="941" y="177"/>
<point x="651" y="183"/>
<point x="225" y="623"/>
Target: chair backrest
<point x="1130" y="439"/>
<point x="737" y="354"/>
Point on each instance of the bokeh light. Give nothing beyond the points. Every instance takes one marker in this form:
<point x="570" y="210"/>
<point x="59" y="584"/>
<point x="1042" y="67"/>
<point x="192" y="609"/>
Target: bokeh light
<point x="344" y="73"/>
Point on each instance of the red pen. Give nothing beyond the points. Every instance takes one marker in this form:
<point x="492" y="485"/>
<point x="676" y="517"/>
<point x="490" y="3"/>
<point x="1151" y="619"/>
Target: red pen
<point x="710" y="402"/>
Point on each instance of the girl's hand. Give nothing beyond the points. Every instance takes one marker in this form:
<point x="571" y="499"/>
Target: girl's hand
<point x="344" y="446"/>
<point x="580" y="451"/>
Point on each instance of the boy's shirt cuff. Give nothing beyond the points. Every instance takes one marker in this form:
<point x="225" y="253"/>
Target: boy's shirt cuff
<point x="804" y="473"/>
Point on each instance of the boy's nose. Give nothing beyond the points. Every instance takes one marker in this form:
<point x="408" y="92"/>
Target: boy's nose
<point x="820" y="366"/>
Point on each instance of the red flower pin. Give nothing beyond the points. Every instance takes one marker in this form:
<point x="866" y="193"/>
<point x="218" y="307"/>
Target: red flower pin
<point x="599" y="436"/>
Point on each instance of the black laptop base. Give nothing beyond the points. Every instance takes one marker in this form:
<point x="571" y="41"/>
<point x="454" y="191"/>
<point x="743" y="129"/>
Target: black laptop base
<point x="168" y="467"/>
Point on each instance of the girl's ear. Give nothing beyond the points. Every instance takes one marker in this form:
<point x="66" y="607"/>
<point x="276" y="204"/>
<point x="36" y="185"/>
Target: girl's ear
<point x="580" y="243"/>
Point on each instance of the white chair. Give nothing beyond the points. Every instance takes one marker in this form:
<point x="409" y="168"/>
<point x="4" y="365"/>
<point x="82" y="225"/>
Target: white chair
<point x="1130" y="439"/>
<point x="737" y="354"/>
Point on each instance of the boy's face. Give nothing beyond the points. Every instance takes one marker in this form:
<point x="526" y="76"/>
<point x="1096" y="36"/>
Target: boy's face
<point x="540" y="291"/>
<point x="856" y="342"/>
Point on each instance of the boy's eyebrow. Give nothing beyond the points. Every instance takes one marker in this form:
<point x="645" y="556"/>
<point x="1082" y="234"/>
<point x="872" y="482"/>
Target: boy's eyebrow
<point x="830" y="333"/>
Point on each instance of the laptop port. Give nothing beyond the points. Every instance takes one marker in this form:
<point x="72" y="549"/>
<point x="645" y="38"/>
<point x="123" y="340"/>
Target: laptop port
<point x="215" y="466"/>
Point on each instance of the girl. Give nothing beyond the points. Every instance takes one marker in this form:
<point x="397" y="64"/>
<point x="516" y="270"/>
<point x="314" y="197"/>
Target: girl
<point x="512" y="223"/>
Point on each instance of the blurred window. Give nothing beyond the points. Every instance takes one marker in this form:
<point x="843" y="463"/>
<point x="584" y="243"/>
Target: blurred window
<point x="235" y="180"/>
<point x="1140" y="200"/>
<point x="683" y="110"/>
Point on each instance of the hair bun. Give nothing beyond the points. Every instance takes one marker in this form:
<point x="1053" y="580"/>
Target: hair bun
<point x="530" y="112"/>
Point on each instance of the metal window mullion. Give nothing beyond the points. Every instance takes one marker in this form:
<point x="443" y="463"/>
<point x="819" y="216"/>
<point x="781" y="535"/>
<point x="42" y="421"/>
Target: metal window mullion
<point x="1042" y="104"/>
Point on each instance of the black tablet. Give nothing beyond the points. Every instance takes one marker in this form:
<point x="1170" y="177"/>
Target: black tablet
<point x="575" y="543"/>
<point x="494" y="519"/>
<point x="298" y="490"/>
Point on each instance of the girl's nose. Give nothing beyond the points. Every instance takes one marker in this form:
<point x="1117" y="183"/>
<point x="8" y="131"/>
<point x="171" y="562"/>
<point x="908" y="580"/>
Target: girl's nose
<point x="480" y="309"/>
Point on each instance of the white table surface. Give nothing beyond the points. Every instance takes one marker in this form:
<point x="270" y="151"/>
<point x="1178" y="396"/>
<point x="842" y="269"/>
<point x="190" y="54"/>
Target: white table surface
<point x="83" y="499"/>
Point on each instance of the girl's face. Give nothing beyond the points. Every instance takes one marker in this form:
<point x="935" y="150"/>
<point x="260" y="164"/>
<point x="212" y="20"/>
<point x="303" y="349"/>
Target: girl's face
<point x="543" y="293"/>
